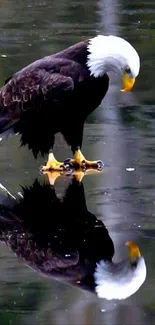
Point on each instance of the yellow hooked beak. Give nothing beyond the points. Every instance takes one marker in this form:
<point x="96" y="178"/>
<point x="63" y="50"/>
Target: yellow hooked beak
<point x="134" y="251"/>
<point x="127" y="83"/>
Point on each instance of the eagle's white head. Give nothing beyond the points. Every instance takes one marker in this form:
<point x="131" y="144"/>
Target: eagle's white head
<point x="121" y="280"/>
<point x="112" y="53"/>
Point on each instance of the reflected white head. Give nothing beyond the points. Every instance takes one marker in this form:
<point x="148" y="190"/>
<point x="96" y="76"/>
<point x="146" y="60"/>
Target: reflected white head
<point x="121" y="280"/>
<point x="112" y="53"/>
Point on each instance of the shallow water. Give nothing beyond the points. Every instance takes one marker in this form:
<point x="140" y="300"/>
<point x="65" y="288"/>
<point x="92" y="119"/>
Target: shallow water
<point x="120" y="132"/>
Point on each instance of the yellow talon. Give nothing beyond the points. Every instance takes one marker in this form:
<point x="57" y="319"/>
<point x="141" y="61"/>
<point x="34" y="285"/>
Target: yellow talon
<point x="79" y="161"/>
<point x="53" y="164"/>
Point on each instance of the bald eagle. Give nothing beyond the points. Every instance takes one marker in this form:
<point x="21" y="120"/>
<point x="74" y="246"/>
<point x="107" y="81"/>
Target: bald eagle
<point x="72" y="245"/>
<point x="58" y="92"/>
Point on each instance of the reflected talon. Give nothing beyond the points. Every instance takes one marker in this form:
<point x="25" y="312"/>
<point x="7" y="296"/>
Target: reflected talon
<point x="78" y="175"/>
<point x="52" y="176"/>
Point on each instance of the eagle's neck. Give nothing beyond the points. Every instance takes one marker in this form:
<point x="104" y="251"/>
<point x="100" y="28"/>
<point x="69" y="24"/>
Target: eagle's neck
<point x="77" y="52"/>
<point x="103" y="56"/>
<point x="98" y="55"/>
<point x="119" y="281"/>
<point x="91" y="55"/>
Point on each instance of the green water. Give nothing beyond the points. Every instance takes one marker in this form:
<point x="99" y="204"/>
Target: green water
<point x="121" y="132"/>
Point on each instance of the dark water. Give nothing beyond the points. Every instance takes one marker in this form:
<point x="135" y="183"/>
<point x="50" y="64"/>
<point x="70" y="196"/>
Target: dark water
<point x="121" y="133"/>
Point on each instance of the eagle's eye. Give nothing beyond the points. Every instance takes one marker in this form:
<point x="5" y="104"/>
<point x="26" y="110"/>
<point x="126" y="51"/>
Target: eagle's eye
<point x="127" y="70"/>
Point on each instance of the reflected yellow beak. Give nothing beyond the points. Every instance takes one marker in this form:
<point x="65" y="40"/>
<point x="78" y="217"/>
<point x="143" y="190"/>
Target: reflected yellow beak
<point x="127" y="83"/>
<point x="134" y="251"/>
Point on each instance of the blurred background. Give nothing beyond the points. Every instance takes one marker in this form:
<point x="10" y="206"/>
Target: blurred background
<point x="121" y="132"/>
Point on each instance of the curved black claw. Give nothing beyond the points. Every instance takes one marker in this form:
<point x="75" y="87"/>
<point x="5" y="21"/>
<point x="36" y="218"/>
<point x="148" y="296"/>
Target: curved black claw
<point x="84" y="166"/>
<point x="67" y="166"/>
<point x="41" y="169"/>
<point x="100" y="164"/>
<point x="67" y="161"/>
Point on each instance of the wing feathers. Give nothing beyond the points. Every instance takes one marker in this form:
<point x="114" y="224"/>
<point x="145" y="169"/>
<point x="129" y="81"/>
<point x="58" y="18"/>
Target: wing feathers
<point x="32" y="86"/>
<point x="44" y="80"/>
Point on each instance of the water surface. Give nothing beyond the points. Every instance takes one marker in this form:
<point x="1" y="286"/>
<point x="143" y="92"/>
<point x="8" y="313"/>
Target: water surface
<point x="120" y="132"/>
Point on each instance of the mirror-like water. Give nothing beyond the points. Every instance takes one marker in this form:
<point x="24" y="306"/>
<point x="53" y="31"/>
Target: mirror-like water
<point x="120" y="132"/>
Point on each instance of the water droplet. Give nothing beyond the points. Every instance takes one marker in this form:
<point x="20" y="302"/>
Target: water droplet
<point x="130" y="169"/>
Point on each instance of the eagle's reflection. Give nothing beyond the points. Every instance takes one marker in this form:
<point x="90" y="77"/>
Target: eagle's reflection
<point x="61" y="238"/>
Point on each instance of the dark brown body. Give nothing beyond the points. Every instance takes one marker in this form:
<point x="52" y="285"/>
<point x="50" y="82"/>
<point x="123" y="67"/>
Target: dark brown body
<point x="56" y="237"/>
<point x="54" y="94"/>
